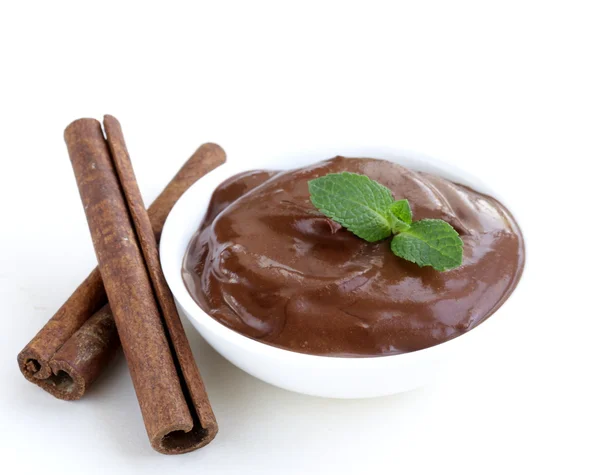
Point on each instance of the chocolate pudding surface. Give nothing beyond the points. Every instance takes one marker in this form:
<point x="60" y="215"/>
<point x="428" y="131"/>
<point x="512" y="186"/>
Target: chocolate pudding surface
<point x="267" y="264"/>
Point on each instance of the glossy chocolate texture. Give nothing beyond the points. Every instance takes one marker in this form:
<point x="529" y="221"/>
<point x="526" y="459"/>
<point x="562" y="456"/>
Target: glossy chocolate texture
<point x="270" y="266"/>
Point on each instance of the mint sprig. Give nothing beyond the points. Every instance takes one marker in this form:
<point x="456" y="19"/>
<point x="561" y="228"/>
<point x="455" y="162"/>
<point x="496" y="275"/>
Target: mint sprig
<point x="367" y="209"/>
<point x="355" y="201"/>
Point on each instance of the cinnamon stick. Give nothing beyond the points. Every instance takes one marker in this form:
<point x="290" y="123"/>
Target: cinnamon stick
<point x="172" y="397"/>
<point x="71" y="350"/>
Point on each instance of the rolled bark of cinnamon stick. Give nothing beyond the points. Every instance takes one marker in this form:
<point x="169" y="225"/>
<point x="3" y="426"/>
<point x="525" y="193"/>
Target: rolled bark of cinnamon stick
<point x="172" y="397"/>
<point x="71" y="350"/>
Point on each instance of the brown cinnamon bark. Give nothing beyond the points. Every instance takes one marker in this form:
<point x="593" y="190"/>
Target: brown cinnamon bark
<point x="172" y="397"/>
<point x="72" y="349"/>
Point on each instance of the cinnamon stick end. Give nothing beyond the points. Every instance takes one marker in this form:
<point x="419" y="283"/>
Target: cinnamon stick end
<point x="215" y="150"/>
<point x="31" y="365"/>
<point x="57" y="378"/>
<point x="80" y="124"/>
<point x="175" y="441"/>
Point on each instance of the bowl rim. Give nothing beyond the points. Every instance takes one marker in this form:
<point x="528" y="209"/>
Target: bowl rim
<point x="172" y="264"/>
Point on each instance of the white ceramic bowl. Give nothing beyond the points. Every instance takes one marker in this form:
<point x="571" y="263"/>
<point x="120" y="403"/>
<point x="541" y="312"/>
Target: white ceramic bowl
<point x="315" y="375"/>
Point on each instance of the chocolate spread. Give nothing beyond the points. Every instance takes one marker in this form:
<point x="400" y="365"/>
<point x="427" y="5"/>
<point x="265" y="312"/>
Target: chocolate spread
<point x="270" y="266"/>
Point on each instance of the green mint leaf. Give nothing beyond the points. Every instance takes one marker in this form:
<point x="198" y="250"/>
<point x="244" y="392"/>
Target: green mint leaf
<point x="430" y="242"/>
<point x="355" y="201"/>
<point x="398" y="225"/>
<point x="368" y="209"/>
<point x="401" y="210"/>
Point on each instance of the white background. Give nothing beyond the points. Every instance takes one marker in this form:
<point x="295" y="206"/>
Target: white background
<point x="507" y="90"/>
